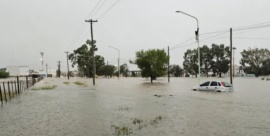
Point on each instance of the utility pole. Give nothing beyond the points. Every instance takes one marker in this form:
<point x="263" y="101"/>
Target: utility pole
<point x="92" y="41"/>
<point x="67" y="65"/>
<point x="59" y="72"/>
<point x="168" y="63"/>
<point x="231" y="56"/>
<point x="46" y="70"/>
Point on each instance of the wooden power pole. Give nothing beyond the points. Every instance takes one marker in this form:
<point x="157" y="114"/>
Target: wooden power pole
<point x="67" y="65"/>
<point x="231" y="65"/>
<point x="92" y="41"/>
<point x="168" y="63"/>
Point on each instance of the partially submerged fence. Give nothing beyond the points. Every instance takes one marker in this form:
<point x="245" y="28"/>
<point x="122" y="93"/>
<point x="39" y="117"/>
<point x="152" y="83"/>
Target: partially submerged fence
<point x="12" y="88"/>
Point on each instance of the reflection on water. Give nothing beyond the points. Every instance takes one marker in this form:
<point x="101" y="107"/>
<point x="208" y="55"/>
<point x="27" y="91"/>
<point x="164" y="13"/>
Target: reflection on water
<point x="112" y="106"/>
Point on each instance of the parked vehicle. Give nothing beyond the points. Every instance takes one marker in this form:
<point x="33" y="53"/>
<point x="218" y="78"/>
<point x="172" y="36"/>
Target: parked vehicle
<point x="218" y="86"/>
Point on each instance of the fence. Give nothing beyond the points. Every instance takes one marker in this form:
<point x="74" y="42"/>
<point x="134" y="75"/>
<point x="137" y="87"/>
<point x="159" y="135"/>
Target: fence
<point x="12" y="88"/>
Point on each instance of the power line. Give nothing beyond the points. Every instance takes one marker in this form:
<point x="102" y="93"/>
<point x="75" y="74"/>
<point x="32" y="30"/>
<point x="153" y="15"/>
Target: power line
<point x="249" y="30"/>
<point x="182" y="43"/>
<point x="108" y="9"/>
<point x="241" y="27"/>
<point x="77" y="36"/>
<point x="99" y="7"/>
<point x="221" y="32"/>
<point x="89" y="15"/>
<point x="214" y="36"/>
<point x="253" y="27"/>
<point x="250" y="38"/>
<point x="82" y="37"/>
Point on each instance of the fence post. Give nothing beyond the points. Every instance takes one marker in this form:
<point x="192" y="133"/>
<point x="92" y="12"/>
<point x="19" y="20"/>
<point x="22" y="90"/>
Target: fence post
<point x="33" y="81"/>
<point x="22" y="84"/>
<point x="4" y="91"/>
<point x="9" y="90"/>
<point x="12" y="90"/>
<point x="15" y="87"/>
<point x="18" y="84"/>
<point x="27" y="82"/>
<point x="1" y="95"/>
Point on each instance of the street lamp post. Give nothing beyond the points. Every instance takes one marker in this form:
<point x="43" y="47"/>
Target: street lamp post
<point x="42" y="53"/>
<point x="118" y="60"/>
<point x="197" y="38"/>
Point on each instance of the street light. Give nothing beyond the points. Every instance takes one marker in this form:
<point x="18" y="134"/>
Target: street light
<point x="197" y="38"/>
<point x="233" y="61"/>
<point x="118" y="60"/>
<point x="42" y="53"/>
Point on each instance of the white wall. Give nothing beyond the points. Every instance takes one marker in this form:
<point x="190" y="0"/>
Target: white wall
<point x="18" y="70"/>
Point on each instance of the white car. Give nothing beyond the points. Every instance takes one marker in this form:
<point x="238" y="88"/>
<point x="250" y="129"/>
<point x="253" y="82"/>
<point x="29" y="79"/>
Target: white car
<point x="217" y="86"/>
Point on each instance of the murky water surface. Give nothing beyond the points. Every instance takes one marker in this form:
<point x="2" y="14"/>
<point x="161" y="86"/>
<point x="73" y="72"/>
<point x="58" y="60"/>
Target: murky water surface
<point x="134" y="106"/>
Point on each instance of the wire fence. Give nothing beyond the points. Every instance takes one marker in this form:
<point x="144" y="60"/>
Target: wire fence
<point x="12" y="87"/>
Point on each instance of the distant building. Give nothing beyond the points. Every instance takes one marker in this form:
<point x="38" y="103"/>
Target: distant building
<point x="17" y="70"/>
<point x="134" y="73"/>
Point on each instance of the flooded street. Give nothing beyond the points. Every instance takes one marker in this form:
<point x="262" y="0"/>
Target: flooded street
<point x="134" y="106"/>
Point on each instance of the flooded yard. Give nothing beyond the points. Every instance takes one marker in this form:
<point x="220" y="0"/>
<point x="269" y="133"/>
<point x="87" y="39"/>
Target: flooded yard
<point x="134" y="106"/>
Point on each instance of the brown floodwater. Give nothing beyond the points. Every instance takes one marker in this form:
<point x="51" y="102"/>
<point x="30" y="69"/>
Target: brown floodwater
<point x="134" y="106"/>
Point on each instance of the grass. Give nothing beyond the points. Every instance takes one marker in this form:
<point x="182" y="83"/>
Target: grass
<point x="66" y="83"/>
<point x="47" y="87"/>
<point x="80" y="83"/>
<point x="122" y="131"/>
<point x="138" y="124"/>
<point x="12" y="93"/>
<point x="157" y="95"/>
<point x="124" y="108"/>
<point x="155" y="121"/>
<point x="137" y="121"/>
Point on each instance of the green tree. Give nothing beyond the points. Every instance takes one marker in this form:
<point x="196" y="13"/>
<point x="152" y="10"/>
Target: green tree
<point x="190" y="63"/>
<point x="83" y="58"/>
<point x="124" y="70"/>
<point x="221" y="59"/>
<point x="255" y="61"/>
<point x="152" y="63"/>
<point x="176" y="70"/>
<point x="266" y="67"/>
<point x="4" y="74"/>
<point x="106" y="70"/>
<point x="206" y="59"/>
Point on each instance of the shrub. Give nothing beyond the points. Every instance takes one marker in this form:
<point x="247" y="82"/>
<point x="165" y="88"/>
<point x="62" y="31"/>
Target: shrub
<point x="4" y="74"/>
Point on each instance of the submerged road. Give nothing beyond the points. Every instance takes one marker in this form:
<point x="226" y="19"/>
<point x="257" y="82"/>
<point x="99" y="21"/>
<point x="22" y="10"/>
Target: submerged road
<point x="134" y="106"/>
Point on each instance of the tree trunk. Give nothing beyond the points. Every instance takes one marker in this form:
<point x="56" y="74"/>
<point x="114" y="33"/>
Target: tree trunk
<point x="219" y="74"/>
<point x="151" y="79"/>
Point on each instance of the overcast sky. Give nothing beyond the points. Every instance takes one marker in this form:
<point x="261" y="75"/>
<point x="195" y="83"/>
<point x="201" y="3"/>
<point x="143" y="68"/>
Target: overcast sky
<point x="29" y="27"/>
